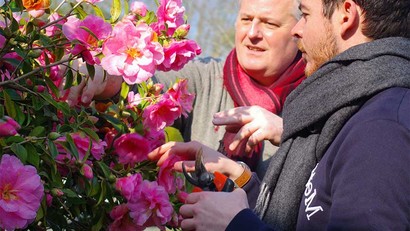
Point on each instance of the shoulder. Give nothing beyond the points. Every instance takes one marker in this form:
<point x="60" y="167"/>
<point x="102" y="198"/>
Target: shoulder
<point x="391" y="105"/>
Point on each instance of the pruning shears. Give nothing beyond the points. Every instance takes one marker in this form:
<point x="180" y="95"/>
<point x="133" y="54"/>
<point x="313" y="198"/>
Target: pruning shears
<point x="207" y="181"/>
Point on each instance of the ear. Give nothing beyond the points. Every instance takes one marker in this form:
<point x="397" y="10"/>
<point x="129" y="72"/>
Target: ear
<point x="350" y="18"/>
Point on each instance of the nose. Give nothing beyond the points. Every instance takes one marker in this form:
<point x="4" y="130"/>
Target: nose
<point x="254" y="31"/>
<point x="297" y="30"/>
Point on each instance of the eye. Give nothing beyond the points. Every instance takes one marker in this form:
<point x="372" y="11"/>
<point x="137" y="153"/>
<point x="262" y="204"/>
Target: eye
<point x="271" y="24"/>
<point x="246" y="19"/>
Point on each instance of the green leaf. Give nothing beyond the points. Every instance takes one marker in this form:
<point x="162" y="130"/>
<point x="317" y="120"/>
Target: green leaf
<point x="90" y="133"/>
<point x="173" y="134"/>
<point x="69" y="193"/>
<point x="105" y="169"/>
<point x="14" y="139"/>
<point x="69" y="79"/>
<point x="53" y="148"/>
<point x="90" y="70"/>
<point x="32" y="155"/>
<point x="98" y="226"/>
<point x="115" y="10"/>
<point x="80" y="11"/>
<point x="71" y="146"/>
<point x="125" y="89"/>
<point x="52" y="86"/>
<point x="98" y="11"/>
<point x="102" y="193"/>
<point x="10" y="105"/>
<point x="20" y="151"/>
<point x="38" y="131"/>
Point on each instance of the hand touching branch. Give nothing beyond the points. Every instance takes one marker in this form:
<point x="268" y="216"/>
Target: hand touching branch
<point x="252" y="124"/>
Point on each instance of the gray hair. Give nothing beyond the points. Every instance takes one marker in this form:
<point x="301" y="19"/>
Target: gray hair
<point x="296" y="11"/>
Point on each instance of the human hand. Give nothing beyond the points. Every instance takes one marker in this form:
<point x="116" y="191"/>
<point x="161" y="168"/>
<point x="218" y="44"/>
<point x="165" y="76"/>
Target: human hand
<point x="252" y="124"/>
<point x="212" y="210"/>
<point x="99" y="87"/>
<point x="213" y="160"/>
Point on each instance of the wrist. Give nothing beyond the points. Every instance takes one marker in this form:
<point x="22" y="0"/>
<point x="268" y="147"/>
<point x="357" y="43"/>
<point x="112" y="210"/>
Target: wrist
<point x="245" y="176"/>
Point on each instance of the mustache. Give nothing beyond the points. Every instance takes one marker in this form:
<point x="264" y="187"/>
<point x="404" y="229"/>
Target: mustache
<point x="300" y="46"/>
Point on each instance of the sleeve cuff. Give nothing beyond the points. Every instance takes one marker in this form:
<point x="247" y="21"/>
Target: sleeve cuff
<point x="246" y="220"/>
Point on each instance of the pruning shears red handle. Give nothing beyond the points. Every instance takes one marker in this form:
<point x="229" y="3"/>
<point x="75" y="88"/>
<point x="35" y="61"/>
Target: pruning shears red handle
<point x="207" y="181"/>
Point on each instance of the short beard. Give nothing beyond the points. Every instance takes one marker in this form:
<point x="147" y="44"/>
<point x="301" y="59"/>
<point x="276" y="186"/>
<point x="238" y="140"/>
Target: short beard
<point x="326" y="50"/>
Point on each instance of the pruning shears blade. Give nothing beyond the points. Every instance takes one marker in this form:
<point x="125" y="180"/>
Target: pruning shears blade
<point x="188" y="177"/>
<point x="199" y="165"/>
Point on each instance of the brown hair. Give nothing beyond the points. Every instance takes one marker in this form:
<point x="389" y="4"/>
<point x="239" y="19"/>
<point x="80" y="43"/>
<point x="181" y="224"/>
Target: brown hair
<point x="383" y="18"/>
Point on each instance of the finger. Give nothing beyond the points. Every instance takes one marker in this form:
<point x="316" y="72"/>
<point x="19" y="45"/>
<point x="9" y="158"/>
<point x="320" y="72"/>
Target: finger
<point x="244" y="133"/>
<point x="74" y="94"/>
<point x="155" y="154"/>
<point x="90" y="90"/>
<point x="188" y="224"/>
<point x="254" y="139"/>
<point x="193" y="198"/>
<point x="235" y="116"/>
<point x="189" y="166"/>
<point x="186" y="211"/>
<point x="233" y="128"/>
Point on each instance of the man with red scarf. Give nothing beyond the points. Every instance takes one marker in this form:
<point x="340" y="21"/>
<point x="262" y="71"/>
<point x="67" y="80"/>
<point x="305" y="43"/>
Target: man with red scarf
<point x="262" y="69"/>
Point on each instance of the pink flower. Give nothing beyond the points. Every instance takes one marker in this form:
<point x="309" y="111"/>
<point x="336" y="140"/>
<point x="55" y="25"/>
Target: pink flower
<point x="179" y="92"/>
<point x="73" y="29"/>
<point x="36" y="13"/>
<point x="47" y="56"/>
<point x="132" y="51"/>
<point x="156" y="138"/>
<point x="129" y="186"/>
<point x="8" y="126"/>
<point x="138" y="8"/>
<point x="21" y="192"/>
<point x="53" y="29"/>
<point x="161" y="114"/>
<point x="166" y="174"/>
<point x="170" y="16"/>
<point x="153" y="205"/>
<point x="178" y="53"/>
<point x="82" y="143"/>
<point x="133" y="100"/>
<point x="122" y="220"/>
<point x="131" y="148"/>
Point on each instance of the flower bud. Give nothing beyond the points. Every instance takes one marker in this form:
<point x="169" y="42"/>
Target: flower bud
<point x="8" y="126"/>
<point x="53" y="135"/>
<point x="57" y="192"/>
<point x="182" y="31"/>
<point x="87" y="171"/>
<point x="138" y="8"/>
<point x="39" y="88"/>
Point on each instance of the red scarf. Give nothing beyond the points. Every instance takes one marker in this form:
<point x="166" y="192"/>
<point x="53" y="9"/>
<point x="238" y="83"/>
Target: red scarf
<point x="245" y="91"/>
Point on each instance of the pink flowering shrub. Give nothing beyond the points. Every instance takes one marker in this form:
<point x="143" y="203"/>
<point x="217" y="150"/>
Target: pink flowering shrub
<point x="85" y="167"/>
